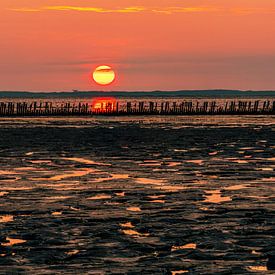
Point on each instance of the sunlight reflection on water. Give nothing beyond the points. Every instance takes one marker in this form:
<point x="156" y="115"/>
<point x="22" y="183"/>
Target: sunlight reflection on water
<point x="11" y="242"/>
<point x="215" y="197"/>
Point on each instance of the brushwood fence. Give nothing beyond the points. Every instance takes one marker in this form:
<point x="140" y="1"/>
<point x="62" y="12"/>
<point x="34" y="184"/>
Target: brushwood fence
<point x="241" y="107"/>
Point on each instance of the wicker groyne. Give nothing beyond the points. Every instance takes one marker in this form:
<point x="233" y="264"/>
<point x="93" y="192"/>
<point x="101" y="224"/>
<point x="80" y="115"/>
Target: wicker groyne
<point x="190" y="107"/>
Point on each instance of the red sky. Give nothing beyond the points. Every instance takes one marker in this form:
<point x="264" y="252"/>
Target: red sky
<point x="49" y="45"/>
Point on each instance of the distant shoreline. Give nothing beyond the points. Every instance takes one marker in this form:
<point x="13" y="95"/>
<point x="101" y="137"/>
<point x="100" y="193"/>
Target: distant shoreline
<point x="217" y="93"/>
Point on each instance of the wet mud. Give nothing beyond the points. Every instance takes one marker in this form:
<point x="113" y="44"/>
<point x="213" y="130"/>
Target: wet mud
<point x="121" y="197"/>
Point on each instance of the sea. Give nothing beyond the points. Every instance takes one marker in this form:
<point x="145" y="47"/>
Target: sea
<point x="137" y="195"/>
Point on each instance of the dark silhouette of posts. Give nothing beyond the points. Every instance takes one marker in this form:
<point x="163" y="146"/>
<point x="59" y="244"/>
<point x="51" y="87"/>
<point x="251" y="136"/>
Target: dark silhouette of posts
<point x="152" y="107"/>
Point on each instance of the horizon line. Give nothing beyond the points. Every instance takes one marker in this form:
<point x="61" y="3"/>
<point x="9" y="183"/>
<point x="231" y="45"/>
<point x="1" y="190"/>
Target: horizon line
<point x="136" y="91"/>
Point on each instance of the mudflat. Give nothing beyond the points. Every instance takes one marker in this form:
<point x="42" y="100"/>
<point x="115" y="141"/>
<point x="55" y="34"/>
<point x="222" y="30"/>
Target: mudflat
<point x="144" y="196"/>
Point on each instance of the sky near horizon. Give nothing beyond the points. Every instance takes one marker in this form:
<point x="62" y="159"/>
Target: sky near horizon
<point x="50" y="45"/>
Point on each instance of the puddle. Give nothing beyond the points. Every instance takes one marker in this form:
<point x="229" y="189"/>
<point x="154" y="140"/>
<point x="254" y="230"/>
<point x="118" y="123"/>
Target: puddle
<point x="134" y="233"/>
<point x="17" y="188"/>
<point x="215" y="197"/>
<point x="112" y="203"/>
<point x="186" y="246"/>
<point x="254" y="252"/>
<point x="196" y="161"/>
<point x="73" y="252"/>
<point x="216" y="159"/>
<point x="133" y="209"/>
<point x="158" y="201"/>
<point x="156" y="197"/>
<point x="73" y="208"/>
<point x="27" y="168"/>
<point x="86" y="161"/>
<point x="120" y="194"/>
<point x="178" y="272"/>
<point x="57" y="198"/>
<point x="149" y="181"/>
<point x="160" y="184"/>
<point x="6" y="218"/>
<point x="12" y="242"/>
<point x="100" y="197"/>
<point x="173" y="163"/>
<point x="172" y="188"/>
<point x="4" y="172"/>
<point x="240" y="161"/>
<point x="272" y="179"/>
<point x="119" y="176"/>
<point x="79" y="173"/>
<point x="236" y="187"/>
<point x="56" y="213"/>
<point x="257" y="268"/>
<point x="265" y="169"/>
<point x="112" y="177"/>
<point x="127" y="224"/>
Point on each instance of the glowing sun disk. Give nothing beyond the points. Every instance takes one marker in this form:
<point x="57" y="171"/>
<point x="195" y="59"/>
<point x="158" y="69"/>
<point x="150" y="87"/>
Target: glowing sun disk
<point x="104" y="75"/>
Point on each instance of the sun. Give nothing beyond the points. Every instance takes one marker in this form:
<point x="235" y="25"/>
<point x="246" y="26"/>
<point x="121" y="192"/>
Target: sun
<point x="104" y="75"/>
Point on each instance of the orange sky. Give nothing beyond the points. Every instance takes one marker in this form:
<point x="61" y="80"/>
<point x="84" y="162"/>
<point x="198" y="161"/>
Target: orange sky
<point x="165" y="44"/>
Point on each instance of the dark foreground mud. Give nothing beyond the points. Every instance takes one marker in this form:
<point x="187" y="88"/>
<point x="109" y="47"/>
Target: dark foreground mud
<point x="112" y="197"/>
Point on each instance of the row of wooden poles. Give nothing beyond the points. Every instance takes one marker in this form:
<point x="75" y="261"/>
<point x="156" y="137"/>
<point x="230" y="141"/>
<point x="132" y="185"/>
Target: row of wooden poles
<point x="137" y="108"/>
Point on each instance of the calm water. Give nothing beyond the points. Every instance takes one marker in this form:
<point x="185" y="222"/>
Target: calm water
<point x="143" y="195"/>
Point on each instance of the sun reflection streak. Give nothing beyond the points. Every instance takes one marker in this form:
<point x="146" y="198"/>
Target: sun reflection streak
<point x="104" y="104"/>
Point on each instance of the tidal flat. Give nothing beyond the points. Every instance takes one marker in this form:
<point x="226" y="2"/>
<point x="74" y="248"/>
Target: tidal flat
<point x="142" y="195"/>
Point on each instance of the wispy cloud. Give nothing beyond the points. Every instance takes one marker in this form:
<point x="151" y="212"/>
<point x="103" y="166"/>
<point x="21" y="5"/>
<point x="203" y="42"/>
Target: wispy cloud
<point x="25" y="10"/>
<point x="93" y="9"/>
<point x="143" y="9"/>
<point x="133" y="9"/>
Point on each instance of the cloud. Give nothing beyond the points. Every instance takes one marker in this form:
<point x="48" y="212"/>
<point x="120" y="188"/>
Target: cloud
<point x="143" y="9"/>
<point x="25" y="10"/>
<point x="93" y="9"/>
<point x="134" y="9"/>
